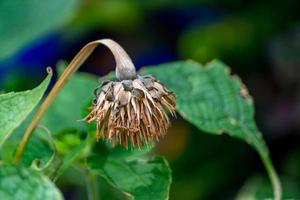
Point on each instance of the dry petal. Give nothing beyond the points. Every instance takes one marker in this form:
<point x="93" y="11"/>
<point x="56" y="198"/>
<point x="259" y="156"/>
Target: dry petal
<point x="132" y="111"/>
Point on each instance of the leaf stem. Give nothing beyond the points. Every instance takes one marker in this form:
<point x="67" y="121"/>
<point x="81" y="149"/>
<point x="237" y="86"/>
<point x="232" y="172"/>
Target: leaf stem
<point x="276" y="184"/>
<point x="92" y="186"/>
<point x="123" y="62"/>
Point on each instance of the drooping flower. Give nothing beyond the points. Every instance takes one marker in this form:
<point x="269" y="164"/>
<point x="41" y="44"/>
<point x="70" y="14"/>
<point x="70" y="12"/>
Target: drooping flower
<point x="132" y="109"/>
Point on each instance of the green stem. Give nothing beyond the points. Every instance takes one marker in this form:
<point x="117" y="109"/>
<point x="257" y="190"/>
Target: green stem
<point x="92" y="186"/>
<point x="272" y="175"/>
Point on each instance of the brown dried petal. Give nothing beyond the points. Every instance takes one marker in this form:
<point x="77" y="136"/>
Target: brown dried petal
<point x="131" y="112"/>
<point x="123" y="98"/>
<point x="137" y="93"/>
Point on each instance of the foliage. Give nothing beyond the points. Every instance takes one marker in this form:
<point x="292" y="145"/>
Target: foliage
<point x="208" y="97"/>
<point x="27" y="184"/>
<point x="138" y="178"/>
<point x="15" y="107"/>
<point x="212" y="99"/>
<point x="213" y="147"/>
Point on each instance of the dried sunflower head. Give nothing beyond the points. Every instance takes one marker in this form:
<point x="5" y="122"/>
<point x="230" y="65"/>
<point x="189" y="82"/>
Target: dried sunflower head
<point x="132" y="111"/>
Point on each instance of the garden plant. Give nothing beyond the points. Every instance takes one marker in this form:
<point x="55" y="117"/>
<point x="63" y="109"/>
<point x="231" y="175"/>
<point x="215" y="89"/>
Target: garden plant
<point x="149" y="100"/>
<point x="129" y="112"/>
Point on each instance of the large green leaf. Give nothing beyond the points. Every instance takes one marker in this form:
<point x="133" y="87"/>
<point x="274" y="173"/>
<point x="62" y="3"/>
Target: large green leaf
<point x="212" y="99"/>
<point x="139" y="178"/>
<point x="23" y="21"/>
<point x="216" y="102"/>
<point x="15" y="107"/>
<point x="21" y="183"/>
<point x="66" y="110"/>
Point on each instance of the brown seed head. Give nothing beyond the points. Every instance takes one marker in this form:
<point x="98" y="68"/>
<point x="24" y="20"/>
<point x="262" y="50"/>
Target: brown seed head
<point x="132" y="111"/>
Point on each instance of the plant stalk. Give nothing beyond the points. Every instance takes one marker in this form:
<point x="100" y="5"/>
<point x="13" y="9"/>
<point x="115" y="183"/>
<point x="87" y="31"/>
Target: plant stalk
<point x="124" y="67"/>
<point x="275" y="181"/>
<point x="92" y="187"/>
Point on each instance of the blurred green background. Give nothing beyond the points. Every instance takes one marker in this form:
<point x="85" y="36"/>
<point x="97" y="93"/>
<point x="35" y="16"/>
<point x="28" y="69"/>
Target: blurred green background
<point x="259" y="40"/>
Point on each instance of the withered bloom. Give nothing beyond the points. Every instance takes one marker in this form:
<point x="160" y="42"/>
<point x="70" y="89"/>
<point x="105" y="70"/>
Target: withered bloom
<point x="131" y="110"/>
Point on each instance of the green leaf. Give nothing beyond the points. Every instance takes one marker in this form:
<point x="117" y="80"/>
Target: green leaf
<point x="66" y="110"/>
<point x="30" y="19"/>
<point x="40" y="153"/>
<point x="16" y="106"/>
<point x="26" y="184"/>
<point x="216" y="102"/>
<point x="37" y="149"/>
<point x="141" y="179"/>
<point x="67" y="140"/>
<point x="40" y="147"/>
<point x="70" y="158"/>
<point x="212" y="99"/>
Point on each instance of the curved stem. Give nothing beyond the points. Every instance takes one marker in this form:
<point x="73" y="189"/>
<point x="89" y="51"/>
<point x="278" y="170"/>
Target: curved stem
<point x="124" y="66"/>
<point x="272" y="175"/>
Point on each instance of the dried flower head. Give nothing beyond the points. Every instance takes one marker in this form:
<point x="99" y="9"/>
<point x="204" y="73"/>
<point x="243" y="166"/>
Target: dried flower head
<point x="131" y="110"/>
